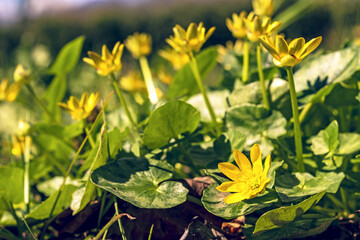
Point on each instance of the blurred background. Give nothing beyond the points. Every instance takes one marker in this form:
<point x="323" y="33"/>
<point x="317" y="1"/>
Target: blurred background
<point x="43" y="26"/>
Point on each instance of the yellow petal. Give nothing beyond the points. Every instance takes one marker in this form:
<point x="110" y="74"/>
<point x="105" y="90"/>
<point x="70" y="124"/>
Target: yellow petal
<point x="270" y="46"/>
<point x="106" y="55"/>
<point x="267" y="166"/>
<point x="230" y="170"/>
<point x="255" y="156"/>
<point x="288" y="61"/>
<point x="281" y="46"/>
<point x="225" y="186"/>
<point x="209" y="33"/>
<point x="116" y="48"/>
<point x="84" y="99"/>
<point x="89" y="61"/>
<point x="310" y="46"/>
<point x="236" y="197"/>
<point x="296" y="46"/>
<point x="243" y="163"/>
<point x="273" y="27"/>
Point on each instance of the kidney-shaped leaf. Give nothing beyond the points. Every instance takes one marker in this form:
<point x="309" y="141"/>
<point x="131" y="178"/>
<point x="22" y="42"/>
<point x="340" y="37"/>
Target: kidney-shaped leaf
<point x="282" y="216"/>
<point x="169" y="121"/>
<point x="326" y="141"/>
<point x="213" y="201"/>
<point x="294" y="186"/>
<point x="141" y="182"/>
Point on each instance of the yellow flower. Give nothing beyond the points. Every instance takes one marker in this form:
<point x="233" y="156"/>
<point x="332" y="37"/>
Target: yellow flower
<point x="164" y="76"/>
<point x="81" y="109"/>
<point x="263" y="7"/>
<point x="190" y="40"/>
<point x="288" y="55"/>
<point x="237" y="47"/>
<point x="237" y="25"/>
<point x="177" y="59"/>
<point x="139" y="44"/>
<point x="9" y="92"/>
<point x="108" y="62"/>
<point x="249" y="179"/>
<point x="21" y="74"/>
<point x="23" y="128"/>
<point x="133" y="82"/>
<point x="259" y="26"/>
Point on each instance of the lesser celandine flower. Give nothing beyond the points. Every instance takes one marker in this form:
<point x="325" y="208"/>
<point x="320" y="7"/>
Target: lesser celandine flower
<point x="177" y="59"/>
<point x="237" y="25"/>
<point x="18" y="145"/>
<point x="164" y="76"/>
<point x="21" y="74"/>
<point x="139" y="44"/>
<point x="133" y="82"/>
<point x="288" y="55"/>
<point x="259" y="26"/>
<point x="190" y="40"/>
<point x="263" y="7"/>
<point x="249" y="179"/>
<point x="9" y="92"/>
<point x="81" y="109"/>
<point x="108" y="62"/>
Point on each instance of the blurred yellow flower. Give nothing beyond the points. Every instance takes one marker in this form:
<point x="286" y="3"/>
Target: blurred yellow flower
<point x="139" y="44"/>
<point x="249" y="179"/>
<point x="164" y="76"/>
<point x="263" y="7"/>
<point x="237" y="25"/>
<point x="9" y="92"/>
<point x="81" y="109"/>
<point x="18" y="145"/>
<point x="177" y="59"/>
<point x="133" y="82"/>
<point x="259" y="26"/>
<point x="21" y="74"/>
<point x="190" y="40"/>
<point x="288" y="55"/>
<point x="108" y="62"/>
<point x="237" y="47"/>
<point x="23" y="127"/>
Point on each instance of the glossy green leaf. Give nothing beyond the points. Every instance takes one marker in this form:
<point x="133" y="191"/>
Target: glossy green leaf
<point x="141" y="182"/>
<point x="68" y="57"/>
<point x="100" y="159"/>
<point x="282" y="216"/>
<point x="184" y="81"/>
<point x="326" y="141"/>
<point x="213" y="201"/>
<point x="43" y="210"/>
<point x="335" y="66"/>
<point x="258" y="124"/>
<point x="349" y="143"/>
<point x="169" y="121"/>
<point x="305" y="226"/>
<point x="11" y="185"/>
<point x="291" y="187"/>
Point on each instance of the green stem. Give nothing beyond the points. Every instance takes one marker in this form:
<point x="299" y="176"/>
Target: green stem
<point x="91" y="139"/>
<point x="101" y="212"/>
<point x="200" y="84"/>
<point x="261" y="77"/>
<point x="344" y="201"/>
<point x="151" y="231"/>
<point x="111" y="222"/>
<point x="121" y="98"/>
<point x="121" y="228"/>
<point x="305" y="111"/>
<point x="297" y="131"/>
<point x="27" y="173"/>
<point x="50" y="218"/>
<point x="29" y="229"/>
<point x="245" y="70"/>
<point x="144" y="65"/>
<point x="194" y="200"/>
<point x="32" y="92"/>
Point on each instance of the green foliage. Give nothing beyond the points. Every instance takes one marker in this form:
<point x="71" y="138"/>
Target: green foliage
<point x="141" y="182"/>
<point x="169" y="121"/>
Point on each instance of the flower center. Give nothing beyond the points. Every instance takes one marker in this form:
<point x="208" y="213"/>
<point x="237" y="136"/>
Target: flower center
<point x="254" y="183"/>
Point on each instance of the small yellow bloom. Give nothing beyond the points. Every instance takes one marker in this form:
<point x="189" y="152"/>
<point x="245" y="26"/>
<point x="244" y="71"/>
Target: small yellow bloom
<point x="288" y="55"/>
<point x="249" y="179"/>
<point x="9" y="92"/>
<point x="190" y="40"/>
<point x="81" y="109"/>
<point x="259" y="26"/>
<point x="164" y="76"/>
<point x="108" y="62"/>
<point x="18" y="145"/>
<point x="133" y="82"/>
<point x="237" y="25"/>
<point x="21" y="74"/>
<point x="139" y="44"/>
<point x="263" y="7"/>
<point x="177" y="59"/>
